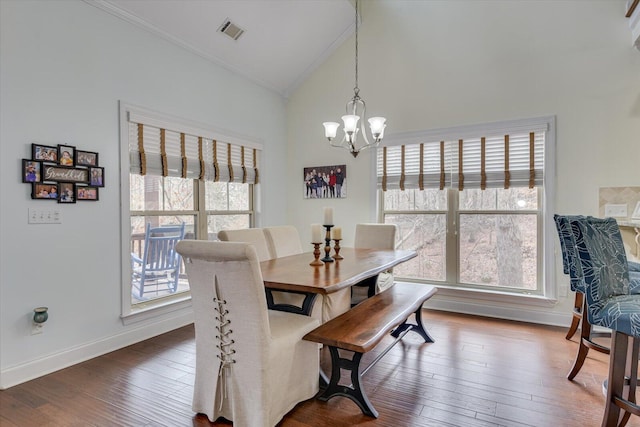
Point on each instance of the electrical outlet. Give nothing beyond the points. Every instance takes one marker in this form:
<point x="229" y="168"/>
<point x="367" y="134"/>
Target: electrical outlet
<point x="615" y="211"/>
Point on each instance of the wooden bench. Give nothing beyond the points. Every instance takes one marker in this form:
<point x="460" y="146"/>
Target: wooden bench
<point x="360" y="329"/>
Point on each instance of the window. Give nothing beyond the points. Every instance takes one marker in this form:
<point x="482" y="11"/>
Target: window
<point x="180" y="173"/>
<point x="472" y="201"/>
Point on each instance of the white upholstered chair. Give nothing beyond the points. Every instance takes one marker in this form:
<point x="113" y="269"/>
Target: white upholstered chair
<point x="255" y="236"/>
<point x="374" y="236"/>
<point x="252" y="366"/>
<point x="284" y="240"/>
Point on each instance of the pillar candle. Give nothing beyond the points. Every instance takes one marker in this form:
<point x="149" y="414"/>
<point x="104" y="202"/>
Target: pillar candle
<point x="316" y="233"/>
<point x="328" y="216"/>
<point x="336" y="233"/>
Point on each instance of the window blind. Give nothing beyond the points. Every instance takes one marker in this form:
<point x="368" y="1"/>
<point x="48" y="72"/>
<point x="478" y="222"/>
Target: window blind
<point x="515" y="159"/>
<point x="154" y="150"/>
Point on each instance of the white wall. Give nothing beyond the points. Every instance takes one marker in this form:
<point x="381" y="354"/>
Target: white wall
<point x="64" y="66"/>
<point x="434" y="64"/>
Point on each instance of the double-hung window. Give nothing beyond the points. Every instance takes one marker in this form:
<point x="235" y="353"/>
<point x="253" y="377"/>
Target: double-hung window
<point x="472" y="202"/>
<point x="180" y="172"/>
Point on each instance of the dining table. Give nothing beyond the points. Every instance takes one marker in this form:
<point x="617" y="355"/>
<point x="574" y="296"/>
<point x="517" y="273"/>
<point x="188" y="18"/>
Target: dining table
<point x="295" y="274"/>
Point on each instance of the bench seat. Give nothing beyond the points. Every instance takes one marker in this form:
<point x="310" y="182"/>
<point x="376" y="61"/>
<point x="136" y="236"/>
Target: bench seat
<point x="361" y="329"/>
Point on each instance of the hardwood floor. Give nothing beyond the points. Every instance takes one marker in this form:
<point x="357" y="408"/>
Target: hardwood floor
<point x="479" y="372"/>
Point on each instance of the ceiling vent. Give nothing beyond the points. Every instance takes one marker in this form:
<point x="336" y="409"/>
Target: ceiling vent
<point x="231" y="29"/>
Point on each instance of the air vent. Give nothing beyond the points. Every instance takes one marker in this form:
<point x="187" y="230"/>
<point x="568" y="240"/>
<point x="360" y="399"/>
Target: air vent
<point x="231" y="29"/>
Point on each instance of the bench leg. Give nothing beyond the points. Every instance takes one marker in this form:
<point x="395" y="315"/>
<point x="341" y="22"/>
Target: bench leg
<point x="418" y="327"/>
<point x="354" y="392"/>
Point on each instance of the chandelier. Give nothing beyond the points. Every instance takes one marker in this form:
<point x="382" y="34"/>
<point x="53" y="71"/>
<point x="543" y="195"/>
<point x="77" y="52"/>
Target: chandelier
<point x="355" y="112"/>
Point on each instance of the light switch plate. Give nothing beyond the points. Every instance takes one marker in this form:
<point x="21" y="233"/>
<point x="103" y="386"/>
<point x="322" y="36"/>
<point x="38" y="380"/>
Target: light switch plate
<point x="45" y="216"/>
<point x="616" y="210"/>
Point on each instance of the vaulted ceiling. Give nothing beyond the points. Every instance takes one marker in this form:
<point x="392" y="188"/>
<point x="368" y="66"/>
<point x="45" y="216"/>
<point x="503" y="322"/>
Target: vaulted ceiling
<point x="282" y="43"/>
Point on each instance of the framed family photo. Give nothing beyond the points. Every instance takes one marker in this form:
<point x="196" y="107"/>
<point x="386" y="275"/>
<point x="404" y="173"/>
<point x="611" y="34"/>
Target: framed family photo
<point x="31" y="170"/>
<point x="45" y="153"/>
<point x="67" y="192"/>
<point x="86" y="158"/>
<point x="325" y="182"/>
<point x="84" y="193"/>
<point x="44" y="191"/>
<point x="96" y="177"/>
<point x="66" y="155"/>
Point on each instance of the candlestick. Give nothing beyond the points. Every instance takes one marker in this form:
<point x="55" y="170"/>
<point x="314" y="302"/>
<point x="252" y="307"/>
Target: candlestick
<point x="336" y="248"/>
<point x="316" y="233"/>
<point x="328" y="216"/>
<point x="327" y="246"/>
<point x="316" y="254"/>
<point x="336" y="234"/>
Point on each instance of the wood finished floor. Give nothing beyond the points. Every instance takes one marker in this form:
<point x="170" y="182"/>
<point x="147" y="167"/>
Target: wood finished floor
<point x="479" y="372"/>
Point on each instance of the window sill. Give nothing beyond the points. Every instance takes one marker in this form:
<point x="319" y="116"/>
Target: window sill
<point x="493" y="296"/>
<point x="154" y="309"/>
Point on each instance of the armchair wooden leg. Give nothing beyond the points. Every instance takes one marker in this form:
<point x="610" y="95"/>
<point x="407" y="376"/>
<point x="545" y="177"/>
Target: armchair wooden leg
<point x="577" y="315"/>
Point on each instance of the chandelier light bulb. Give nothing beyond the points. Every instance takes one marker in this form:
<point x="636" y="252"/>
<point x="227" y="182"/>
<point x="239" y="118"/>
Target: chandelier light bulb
<point x="377" y="127"/>
<point x="330" y="129"/>
<point x="350" y="123"/>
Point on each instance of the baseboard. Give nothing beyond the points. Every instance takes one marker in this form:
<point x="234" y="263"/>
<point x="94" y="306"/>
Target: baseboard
<point x="500" y="311"/>
<point x="36" y="368"/>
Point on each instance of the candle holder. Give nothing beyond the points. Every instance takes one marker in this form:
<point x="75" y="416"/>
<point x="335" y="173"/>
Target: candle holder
<point x="336" y="248"/>
<point x="327" y="246"/>
<point x="316" y="254"/>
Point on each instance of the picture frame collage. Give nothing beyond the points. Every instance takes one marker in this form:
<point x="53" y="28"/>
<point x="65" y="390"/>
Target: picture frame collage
<point x="63" y="173"/>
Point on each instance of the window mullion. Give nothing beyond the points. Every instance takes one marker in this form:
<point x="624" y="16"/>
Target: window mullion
<point x="452" y="240"/>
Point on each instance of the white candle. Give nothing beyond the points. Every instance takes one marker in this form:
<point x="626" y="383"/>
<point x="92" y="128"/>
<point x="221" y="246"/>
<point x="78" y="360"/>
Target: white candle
<point x="328" y="216"/>
<point x="316" y="233"/>
<point x="336" y="233"/>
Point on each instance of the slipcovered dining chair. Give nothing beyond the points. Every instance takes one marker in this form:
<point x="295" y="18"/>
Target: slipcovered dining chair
<point x="252" y="366"/>
<point x="255" y="236"/>
<point x="373" y="236"/>
<point x="284" y="240"/>
<point x="571" y="267"/>
<point x="159" y="265"/>
<point x="610" y="303"/>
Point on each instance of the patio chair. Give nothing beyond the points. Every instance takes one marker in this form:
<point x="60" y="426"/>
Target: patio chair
<point x="252" y="366"/>
<point x="159" y="267"/>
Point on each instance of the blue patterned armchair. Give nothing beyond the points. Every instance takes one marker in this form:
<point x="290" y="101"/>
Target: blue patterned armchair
<point x="611" y="304"/>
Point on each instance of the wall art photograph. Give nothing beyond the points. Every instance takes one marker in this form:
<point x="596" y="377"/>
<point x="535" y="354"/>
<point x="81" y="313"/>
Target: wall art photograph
<point x="66" y="155"/>
<point x="45" y="191"/>
<point x="67" y="192"/>
<point x="86" y="193"/>
<point x="86" y="158"/>
<point x="325" y="182"/>
<point x="46" y="153"/>
<point x="31" y="171"/>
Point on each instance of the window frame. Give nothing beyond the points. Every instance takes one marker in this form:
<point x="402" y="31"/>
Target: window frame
<point x="546" y="264"/>
<point x="134" y="313"/>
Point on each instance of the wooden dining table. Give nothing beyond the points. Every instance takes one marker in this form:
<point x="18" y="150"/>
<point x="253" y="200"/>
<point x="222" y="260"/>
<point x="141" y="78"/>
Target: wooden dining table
<point x="294" y="274"/>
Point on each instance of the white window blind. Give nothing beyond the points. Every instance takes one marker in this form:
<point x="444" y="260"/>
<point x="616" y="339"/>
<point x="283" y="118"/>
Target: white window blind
<point x="512" y="158"/>
<point x="155" y="150"/>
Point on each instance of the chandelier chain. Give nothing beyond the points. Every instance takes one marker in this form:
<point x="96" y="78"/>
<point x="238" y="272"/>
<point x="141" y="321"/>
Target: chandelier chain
<point x="356" y="89"/>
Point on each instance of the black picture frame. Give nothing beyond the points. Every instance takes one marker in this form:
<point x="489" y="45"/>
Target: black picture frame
<point x="42" y="191"/>
<point x="96" y="177"/>
<point x="84" y="193"/>
<point x="31" y="171"/>
<point x="86" y="158"/>
<point x="66" y="155"/>
<point x="66" y="192"/>
<point x="44" y="153"/>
